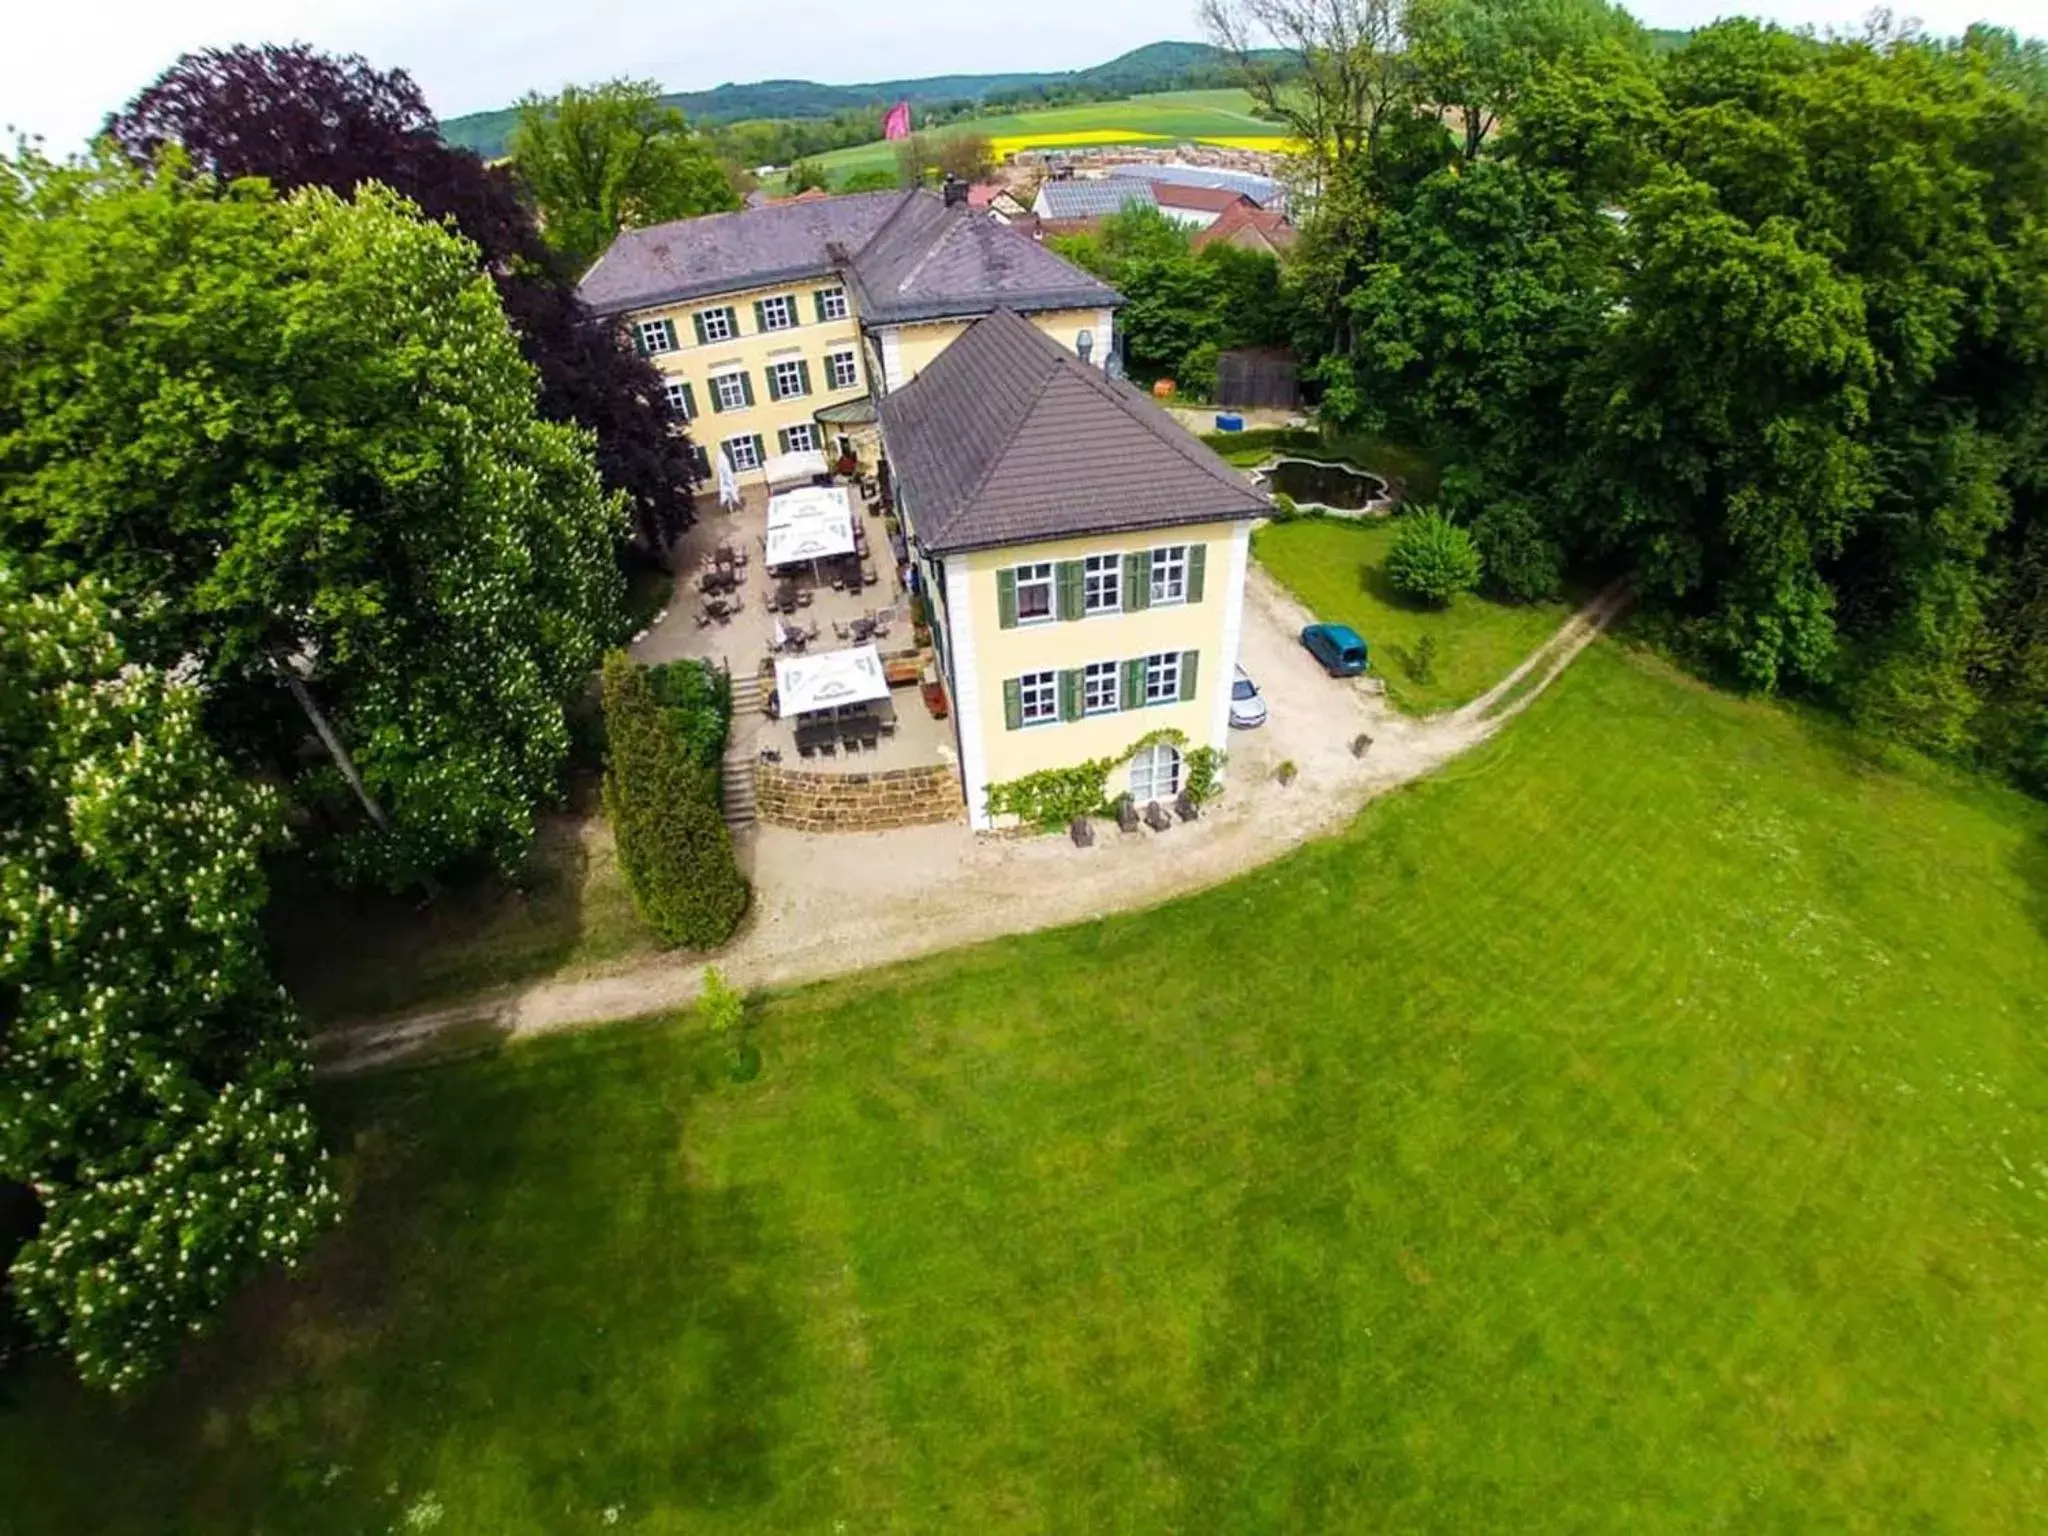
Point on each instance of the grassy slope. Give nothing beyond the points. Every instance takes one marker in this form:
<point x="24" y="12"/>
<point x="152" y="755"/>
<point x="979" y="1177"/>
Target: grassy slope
<point x="1334" y="567"/>
<point x="1173" y="114"/>
<point x="1639" y="1126"/>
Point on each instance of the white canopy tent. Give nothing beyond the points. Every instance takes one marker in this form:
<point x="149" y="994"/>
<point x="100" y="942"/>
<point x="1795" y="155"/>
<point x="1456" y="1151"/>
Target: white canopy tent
<point x="806" y="684"/>
<point x="811" y="524"/>
<point x="794" y="468"/>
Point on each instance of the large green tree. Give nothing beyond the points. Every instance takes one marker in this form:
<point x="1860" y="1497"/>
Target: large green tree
<point x="152" y="1077"/>
<point x="1476" y="59"/>
<point x="603" y="158"/>
<point x="297" y="443"/>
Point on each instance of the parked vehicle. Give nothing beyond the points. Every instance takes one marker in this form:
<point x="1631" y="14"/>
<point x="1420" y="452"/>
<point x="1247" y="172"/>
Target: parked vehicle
<point x="1247" y="705"/>
<point x="1338" y="647"/>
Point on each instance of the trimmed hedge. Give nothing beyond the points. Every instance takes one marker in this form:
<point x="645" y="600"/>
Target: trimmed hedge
<point x="662" y="800"/>
<point x="698" y="697"/>
<point x="1432" y="558"/>
<point x="1299" y="439"/>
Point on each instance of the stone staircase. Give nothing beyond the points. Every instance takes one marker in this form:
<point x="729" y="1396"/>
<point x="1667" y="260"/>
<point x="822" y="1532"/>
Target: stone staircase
<point x="749" y="698"/>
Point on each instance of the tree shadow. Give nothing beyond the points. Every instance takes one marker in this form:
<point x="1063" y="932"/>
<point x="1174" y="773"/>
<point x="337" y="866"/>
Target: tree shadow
<point x="351" y="954"/>
<point x="1374" y="582"/>
<point x="528" y="1282"/>
<point x="2030" y="863"/>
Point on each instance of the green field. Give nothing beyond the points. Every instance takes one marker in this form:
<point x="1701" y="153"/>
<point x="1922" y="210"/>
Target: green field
<point x="1639" y="1126"/>
<point x="1218" y="114"/>
<point x="1335" y="567"/>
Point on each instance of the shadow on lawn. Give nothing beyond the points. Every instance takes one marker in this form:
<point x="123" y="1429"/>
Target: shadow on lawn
<point x="2031" y="864"/>
<point x="353" y="954"/>
<point x="533" y="1302"/>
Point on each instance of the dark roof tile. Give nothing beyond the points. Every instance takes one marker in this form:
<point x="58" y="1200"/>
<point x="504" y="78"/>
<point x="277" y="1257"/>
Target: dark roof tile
<point x="1008" y="438"/>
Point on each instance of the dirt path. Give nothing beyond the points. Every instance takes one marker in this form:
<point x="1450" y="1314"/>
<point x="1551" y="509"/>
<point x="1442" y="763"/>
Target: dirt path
<point x="827" y="906"/>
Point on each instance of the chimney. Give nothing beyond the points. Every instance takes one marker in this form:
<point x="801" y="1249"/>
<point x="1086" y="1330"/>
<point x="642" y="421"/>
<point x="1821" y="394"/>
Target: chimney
<point x="955" y="192"/>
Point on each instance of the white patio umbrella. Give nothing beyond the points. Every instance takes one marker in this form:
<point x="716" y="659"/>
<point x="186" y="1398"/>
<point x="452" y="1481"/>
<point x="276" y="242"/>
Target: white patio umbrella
<point x="801" y="467"/>
<point x="811" y="524"/>
<point x="806" y="684"/>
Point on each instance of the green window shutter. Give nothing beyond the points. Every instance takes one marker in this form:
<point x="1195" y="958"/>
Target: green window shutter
<point x="1188" y="674"/>
<point x="1137" y="580"/>
<point x="689" y="402"/>
<point x="1198" y="560"/>
<point x="773" y="392"/>
<point x="818" y="298"/>
<point x="803" y="375"/>
<point x="747" y="388"/>
<point x="1132" y="694"/>
<point x="1067" y="583"/>
<point x="1070" y="694"/>
<point x="698" y="321"/>
<point x="717" y="397"/>
<point x="782" y="439"/>
<point x="639" y="340"/>
<point x="1006" y="598"/>
<point x="1013" y="704"/>
<point x="760" y="315"/>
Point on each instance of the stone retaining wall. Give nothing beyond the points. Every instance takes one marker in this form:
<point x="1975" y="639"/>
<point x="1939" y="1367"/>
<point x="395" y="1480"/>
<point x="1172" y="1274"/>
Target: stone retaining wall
<point x="857" y="802"/>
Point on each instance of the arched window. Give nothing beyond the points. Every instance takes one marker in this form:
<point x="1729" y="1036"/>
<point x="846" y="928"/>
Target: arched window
<point x="1155" y="774"/>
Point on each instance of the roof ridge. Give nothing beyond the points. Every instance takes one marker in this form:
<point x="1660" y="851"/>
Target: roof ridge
<point x="941" y="231"/>
<point x="1031" y="403"/>
<point x="908" y="200"/>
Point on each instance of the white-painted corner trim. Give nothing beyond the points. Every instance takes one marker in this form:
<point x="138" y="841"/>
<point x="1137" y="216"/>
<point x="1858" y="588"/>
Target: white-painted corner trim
<point x="1233" y="633"/>
<point x="892" y="358"/>
<point x="967" y="694"/>
<point x="1105" y="336"/>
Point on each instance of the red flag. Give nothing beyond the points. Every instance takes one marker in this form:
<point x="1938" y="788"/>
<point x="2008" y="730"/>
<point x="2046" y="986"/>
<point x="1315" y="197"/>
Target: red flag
<point x="896" y="124"/>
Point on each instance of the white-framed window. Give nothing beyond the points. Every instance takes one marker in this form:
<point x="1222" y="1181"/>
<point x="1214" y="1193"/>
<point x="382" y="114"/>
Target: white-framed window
<point x="744" y="452"/>
<point x="716" y="324"/>
<point x="800" y="438"/>
<point x="731" y="391"/>
<point x="1034" y="593"/>
<point x="776" y="314"/>
<point x="1170" y="574"/>
<point x="789" y="379"/>
<point x="1099" y="688"/>
<point x="1102" y="584"/>
<point x="1155" y="773"/>
<point x="657" y="336"/>
<point x="1162" y="678"/>
<point x="1038" y="694"/>
<point x="681" y="399"/>
<point x="831" y="303"/>
<point x="842" y="369"/>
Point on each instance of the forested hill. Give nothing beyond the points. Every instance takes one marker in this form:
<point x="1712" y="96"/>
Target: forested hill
<point x="1164" y="66"/>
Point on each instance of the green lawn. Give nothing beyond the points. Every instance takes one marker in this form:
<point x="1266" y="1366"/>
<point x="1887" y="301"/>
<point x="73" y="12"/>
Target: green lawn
<point x="1638" y="1127"/>
<point x="1335" y="565"/>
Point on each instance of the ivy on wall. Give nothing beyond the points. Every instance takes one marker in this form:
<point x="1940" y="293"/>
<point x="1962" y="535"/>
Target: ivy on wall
<point x="1053" y="797"/>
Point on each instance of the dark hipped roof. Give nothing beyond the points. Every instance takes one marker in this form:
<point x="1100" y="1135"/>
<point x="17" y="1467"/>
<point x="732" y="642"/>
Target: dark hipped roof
<point x="719" y="252"/>
<point x="1007" y="438"/>
<point x="906" y="255"/>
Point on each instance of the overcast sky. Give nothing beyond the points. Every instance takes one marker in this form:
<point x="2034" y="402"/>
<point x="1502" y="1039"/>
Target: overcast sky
<point x="65" y="64"/>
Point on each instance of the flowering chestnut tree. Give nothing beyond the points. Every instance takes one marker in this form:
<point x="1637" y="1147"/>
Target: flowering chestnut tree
<point x="151" y="1074"/>
<point x="297" y="442"/>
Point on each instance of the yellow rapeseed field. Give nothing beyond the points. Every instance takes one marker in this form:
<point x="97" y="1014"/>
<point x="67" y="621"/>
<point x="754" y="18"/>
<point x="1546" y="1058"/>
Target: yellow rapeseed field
<point x="1009" y="144"/>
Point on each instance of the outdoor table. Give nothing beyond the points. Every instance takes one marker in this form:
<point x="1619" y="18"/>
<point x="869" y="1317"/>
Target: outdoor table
<point x="785" y="596"/>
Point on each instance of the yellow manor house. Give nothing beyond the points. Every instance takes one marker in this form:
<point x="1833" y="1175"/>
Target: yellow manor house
<point x="1083" y="556"/>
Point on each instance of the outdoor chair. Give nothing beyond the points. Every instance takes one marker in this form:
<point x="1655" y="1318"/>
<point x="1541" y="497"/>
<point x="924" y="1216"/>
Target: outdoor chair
<point x="840" y="631"/>
<point x="803" y="597"/>
<point x="827" y="747"/>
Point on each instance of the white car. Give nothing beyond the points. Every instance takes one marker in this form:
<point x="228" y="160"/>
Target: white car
<point x="1247" y="706"/>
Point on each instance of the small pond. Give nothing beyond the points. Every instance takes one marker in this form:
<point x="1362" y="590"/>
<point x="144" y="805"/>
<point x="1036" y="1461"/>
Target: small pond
<point x="1336" y="486"/>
